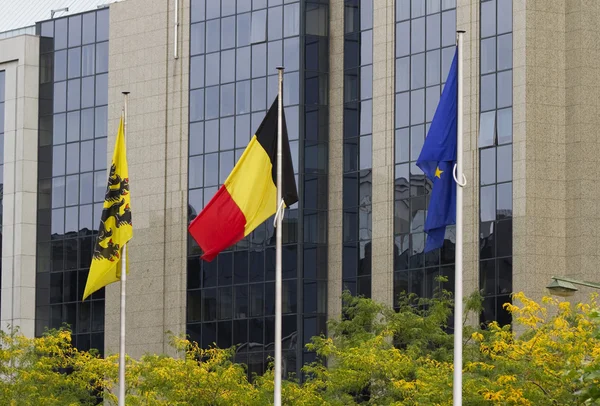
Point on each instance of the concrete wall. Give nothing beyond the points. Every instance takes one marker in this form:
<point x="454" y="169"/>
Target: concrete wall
<point x="467" y="19"/>
<point x="19" y="58"/>
<point x="336" y="156"/>
<point x="141" y="61"/>
<point x="382" y="285"/>
<point x="556" y="152"/>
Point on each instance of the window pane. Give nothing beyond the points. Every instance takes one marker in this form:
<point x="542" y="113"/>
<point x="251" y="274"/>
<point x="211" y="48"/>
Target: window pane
<point x="228" y="33"/>
<point x="403" y="39"/>
<point x="432" y="76"/>
<point x="243" y="29"/>
<point x="402" y="110"/>
<point x="101" y="89"/>
<point x="87" y="156"/>
<point x="488" y="92"/>
<point x="60" y="65"/>
<point x="402" y="10"/>
<point x="243" y="97"/>
<point x="291" y="20"/>
<point x="402" y="146"/>
<point x="488" y="55"/>
<point x="487" y="165"/>
<point x="242" y="63"/>
<point x="196" y="171"/>
<point x="74" y="64"/>
<point x="432" y="97"/>
<point x="366" y="47"/>
<point x="259" y="94"/>
<point x="417" y="35"/>
<point x="258" y="31"/>
<point x="211" y="105"/>
<point x="211" y="169"/>
<point x="418" y="71"/>
<point x="505" y="163"/>
<point x="417" y="137"/>
<point x="402" y="74"/>
<point x="487" y="129"/>
<point x="227" y="134"/>
<point x="505" y="52"/>
<point x="366" y="117"/>
<point x="101" y="122"/>
<point x="227" y="99"/>
<point x="211" y="136"/>
<point x="102" y="25"/>
<point x="100" y="156"/>
<point x="197" y="39"/>
<point x="212" y="69"/>
<point x="418" y="8"/>
<point x="505" y="16"/>
<point x="197" y="105"/>
<point x="505" y="126"/>
<point x="449" y="28"/>
<point x="213" y="35"/>
<point x="225" y="165"/>
<point x="488" y="203"/>
<point x="274" y="54"/>
<point x="228" y="66"/>
<point x="504" y="205"/>
<point x="73" y="94"/>
<point x="275" y="23"/>
<point x="88" y="60"/>
<point x="417" y="106"/>
<point x="72" y="158"/>
<point x="505" y="89"/>
<point x="60" y="97"/>
<point x="433" y="31"/>
<point x="73" y="126"/>
<point x="365" y="151"/>
<point x="259" y="60"/>
<point x="488" y="18"/>
<point x="89" y="28"/>
<point x="102" y="57"/>
<point x="291" y="54"/>
<point x="60" y="128"/>
<point x="197" y="71"/>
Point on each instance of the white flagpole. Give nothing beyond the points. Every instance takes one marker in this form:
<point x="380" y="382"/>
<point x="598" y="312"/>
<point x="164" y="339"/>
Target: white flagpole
<point x="278" y="221"/>
<point x="458" y="267"/>
<point x="123" y="291"/>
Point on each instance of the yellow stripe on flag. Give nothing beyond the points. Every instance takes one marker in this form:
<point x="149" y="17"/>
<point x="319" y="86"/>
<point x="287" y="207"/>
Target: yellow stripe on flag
<point x="115" y="223"/>
<point x="251" y="186"/>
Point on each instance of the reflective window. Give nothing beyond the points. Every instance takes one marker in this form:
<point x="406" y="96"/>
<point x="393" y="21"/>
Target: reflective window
<point x="496" y="158"/>
<point x="258" y="31"/>
<point x="228" y="33"/>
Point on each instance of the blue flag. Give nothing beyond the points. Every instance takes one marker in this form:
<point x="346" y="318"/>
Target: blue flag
<point x="437" y="160"/>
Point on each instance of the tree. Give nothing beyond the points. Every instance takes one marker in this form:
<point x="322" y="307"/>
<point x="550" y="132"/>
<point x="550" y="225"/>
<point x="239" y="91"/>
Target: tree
<point x="373" y="355"/>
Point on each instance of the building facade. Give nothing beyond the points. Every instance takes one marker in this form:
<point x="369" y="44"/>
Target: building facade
<point x="362" y="82"/>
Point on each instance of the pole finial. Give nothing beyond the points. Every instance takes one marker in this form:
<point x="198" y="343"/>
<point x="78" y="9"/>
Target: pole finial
<point x="125" y="93"/>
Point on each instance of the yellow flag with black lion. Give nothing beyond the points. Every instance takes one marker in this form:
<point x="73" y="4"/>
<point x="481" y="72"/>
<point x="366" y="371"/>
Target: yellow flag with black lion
<point x="115" y="223"/>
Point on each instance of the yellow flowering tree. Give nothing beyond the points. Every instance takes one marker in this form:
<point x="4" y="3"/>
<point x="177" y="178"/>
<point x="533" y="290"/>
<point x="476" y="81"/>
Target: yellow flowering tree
<point x="373" y="355"/>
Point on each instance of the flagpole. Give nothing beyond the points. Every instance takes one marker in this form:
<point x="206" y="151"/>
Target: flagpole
<point x="123" y="286"/>
<point x="458" y="267"/>
<point x="278" y="220"/>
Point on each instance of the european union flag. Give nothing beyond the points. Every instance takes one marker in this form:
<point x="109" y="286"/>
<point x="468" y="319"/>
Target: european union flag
<point x="437" y="160"/>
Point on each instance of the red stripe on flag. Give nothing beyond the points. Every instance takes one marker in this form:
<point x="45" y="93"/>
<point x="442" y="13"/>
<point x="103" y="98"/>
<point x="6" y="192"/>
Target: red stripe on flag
<point x="220" y="225"/>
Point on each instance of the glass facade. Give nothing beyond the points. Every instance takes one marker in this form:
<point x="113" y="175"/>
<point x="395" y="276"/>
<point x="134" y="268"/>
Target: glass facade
<point x="2" y="95"/>
<point x="72" y="173"/>
<point x="235" y="48"/>
<point x="495" y="159"/>
<point x="358" y="113"/>
<point x="425" y="46"/>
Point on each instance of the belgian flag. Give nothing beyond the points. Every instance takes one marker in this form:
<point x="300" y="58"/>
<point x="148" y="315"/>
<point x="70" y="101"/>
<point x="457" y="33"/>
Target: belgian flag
<point x="248" y="196"/>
